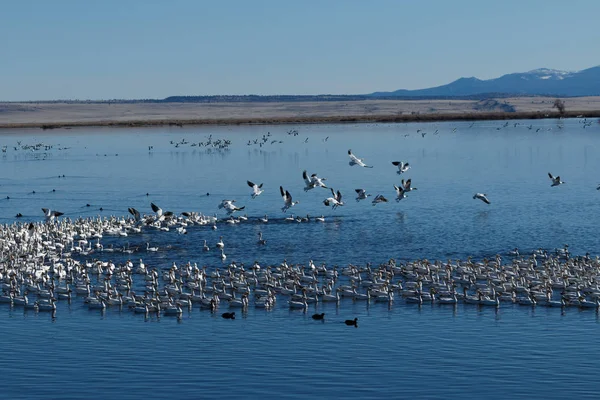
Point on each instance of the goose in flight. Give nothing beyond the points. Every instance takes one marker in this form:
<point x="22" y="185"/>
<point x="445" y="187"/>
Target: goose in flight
<point x="256" y="189"/>
<point x="335" y="200"/>
<point x="555" y="180"/>
<point x="50" y="214"/>
<point x="313" y="181"/>
<point x="379" y="199"/>
<point x="357" y="161"/>
<point x="136" y="214"/>
<point x="482" y="197"/>
<point x="407" y="185"/>
<point x="400" y="194"/>
<point x="287" y="199"/>
<point x="160" y="214"/>
<point x="230" y="207"/>
<point x="402" y="166"/>
<point x="361" y="194"/>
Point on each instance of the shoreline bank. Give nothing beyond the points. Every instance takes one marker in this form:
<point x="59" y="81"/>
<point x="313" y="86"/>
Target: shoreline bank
<point x="67" y="115"/>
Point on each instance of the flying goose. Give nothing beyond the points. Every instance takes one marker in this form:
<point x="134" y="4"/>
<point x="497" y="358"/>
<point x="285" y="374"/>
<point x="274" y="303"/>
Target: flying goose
<point x="287" y="199"/>
<point x="379" y="199"/>
<point x="334" y="201"/>
<point x="402" y="166"/>
<point x="400" y="194"/>
<point x="230" y="207"/>
<point x="50" y="214"/>
<point x="361" y="194"/>
<point x="555" y="180"/>
<point x="256" y="189"/>
<point x="357" y="161"/>
<point x="313" y="181"/>
<point x="482" y="197"/>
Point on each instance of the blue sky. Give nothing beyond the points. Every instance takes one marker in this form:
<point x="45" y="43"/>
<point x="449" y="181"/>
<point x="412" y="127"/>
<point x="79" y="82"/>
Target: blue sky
<point x="129" y="49"/>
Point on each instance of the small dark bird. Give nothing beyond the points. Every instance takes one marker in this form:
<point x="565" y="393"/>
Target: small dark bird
<point x="228" y="315"/>
<point x="19" y="215"/>
<point x="352" y="322"/>
<point x="319" y="316"/>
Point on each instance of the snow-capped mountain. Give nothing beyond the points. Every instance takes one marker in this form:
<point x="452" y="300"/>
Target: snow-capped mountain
<point x="541" y="81"/>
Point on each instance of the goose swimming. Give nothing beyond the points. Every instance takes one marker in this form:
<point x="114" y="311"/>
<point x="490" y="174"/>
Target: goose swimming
<point x="555" y="180"/>
<point x="318" y="317"/>
<point x="357" y="161"/>
<point x="352" y="322"/>
<point x="261" y="241"/>
<point x="160" y="214"/>
<point x="256" y="189"/>
<point x="361" y="194"/>
<point x="287" y="199"/>
<point x="482" y="197"/>
<point x="334" y="201"/>
<point x="402" y="166"/>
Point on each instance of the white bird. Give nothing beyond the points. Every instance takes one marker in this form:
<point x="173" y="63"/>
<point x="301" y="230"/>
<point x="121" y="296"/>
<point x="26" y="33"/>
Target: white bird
<point x="361" y="194"/>
<point x="205" y="246"/>
<point x="482" y="197"/>
<point x="50" y="214"/>
<point x="223" y="256"/>
<point x="264" y="219"/>
<point x="555" y="180"/>
<point x="148" y="248"/>
<point x="256" y="189"/>
<point x="220" y="243"/>
<point x="320" y="219"/>
<point x="313" y="181"/>
<point x="287" y="199"/>
<point x="379" y="199"/>
<point x="160" y="214"/>
<point x="399" y="193"/>
<point x="357" y="161"/>
<point x="230" y="207"/>
<point x="402" y="166"/>
<point x="335" y="200"/>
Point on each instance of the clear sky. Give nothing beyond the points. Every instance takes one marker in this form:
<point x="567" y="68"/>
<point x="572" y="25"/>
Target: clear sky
<point x="132" y="49"/>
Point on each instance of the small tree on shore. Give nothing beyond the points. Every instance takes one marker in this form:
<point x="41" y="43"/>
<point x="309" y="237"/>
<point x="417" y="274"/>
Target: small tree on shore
<point x="559" y="105"/>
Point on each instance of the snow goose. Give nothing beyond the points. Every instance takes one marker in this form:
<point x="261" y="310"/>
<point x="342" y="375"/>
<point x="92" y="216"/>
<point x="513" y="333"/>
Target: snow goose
<point x="482" y="197"/>
<point x="313" y="181"/>
<point x="50" y="214"/>
<point x="357" y="161"/>
<point x="361" y="194"/>
<point x="407" y="185"/>
<point x="256" y="189"/>
<point x="287" y="199"/>
<point x="555" y="180"/>
<point x="230" y="207"/>
<point x="334" y="201"/>
<point x="402" y="166"/>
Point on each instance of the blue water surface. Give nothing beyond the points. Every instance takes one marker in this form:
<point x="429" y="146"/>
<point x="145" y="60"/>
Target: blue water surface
<point x="397" y="351"/>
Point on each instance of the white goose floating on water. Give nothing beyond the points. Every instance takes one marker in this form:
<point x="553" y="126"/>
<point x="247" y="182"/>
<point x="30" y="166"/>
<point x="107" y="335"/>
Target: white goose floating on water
<point x="357" y="161"/>
<point x="555" y="180"/>
<point x="482" y="197"/>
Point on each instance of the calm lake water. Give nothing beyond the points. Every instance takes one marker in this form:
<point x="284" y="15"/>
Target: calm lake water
<point x="399" y="350"/>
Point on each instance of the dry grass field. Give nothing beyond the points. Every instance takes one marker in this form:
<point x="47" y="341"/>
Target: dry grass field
<point x="52" y="115"/>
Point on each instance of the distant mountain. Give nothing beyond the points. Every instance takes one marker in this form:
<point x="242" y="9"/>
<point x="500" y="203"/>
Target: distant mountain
<point x="541" y="81"/>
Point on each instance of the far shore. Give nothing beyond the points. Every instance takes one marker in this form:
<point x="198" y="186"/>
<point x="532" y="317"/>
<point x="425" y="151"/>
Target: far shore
<point x="62" y="115"/>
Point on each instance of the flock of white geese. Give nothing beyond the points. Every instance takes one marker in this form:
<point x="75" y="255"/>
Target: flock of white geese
<point x="58" y="260"/>
<point x="44" y="263"/>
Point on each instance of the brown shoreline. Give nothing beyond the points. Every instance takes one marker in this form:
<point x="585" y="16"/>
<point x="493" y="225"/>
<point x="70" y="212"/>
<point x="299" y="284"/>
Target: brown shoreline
<point x="65" y="115"/>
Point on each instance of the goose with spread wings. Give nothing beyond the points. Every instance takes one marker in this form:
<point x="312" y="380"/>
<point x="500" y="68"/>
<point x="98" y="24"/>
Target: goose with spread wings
<point x="312" y="181"/>
<point x="256" y="189"/>
<point x="335" y="201"/>
<point x="287" y="199"/>
<point x="357" y="161"/>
